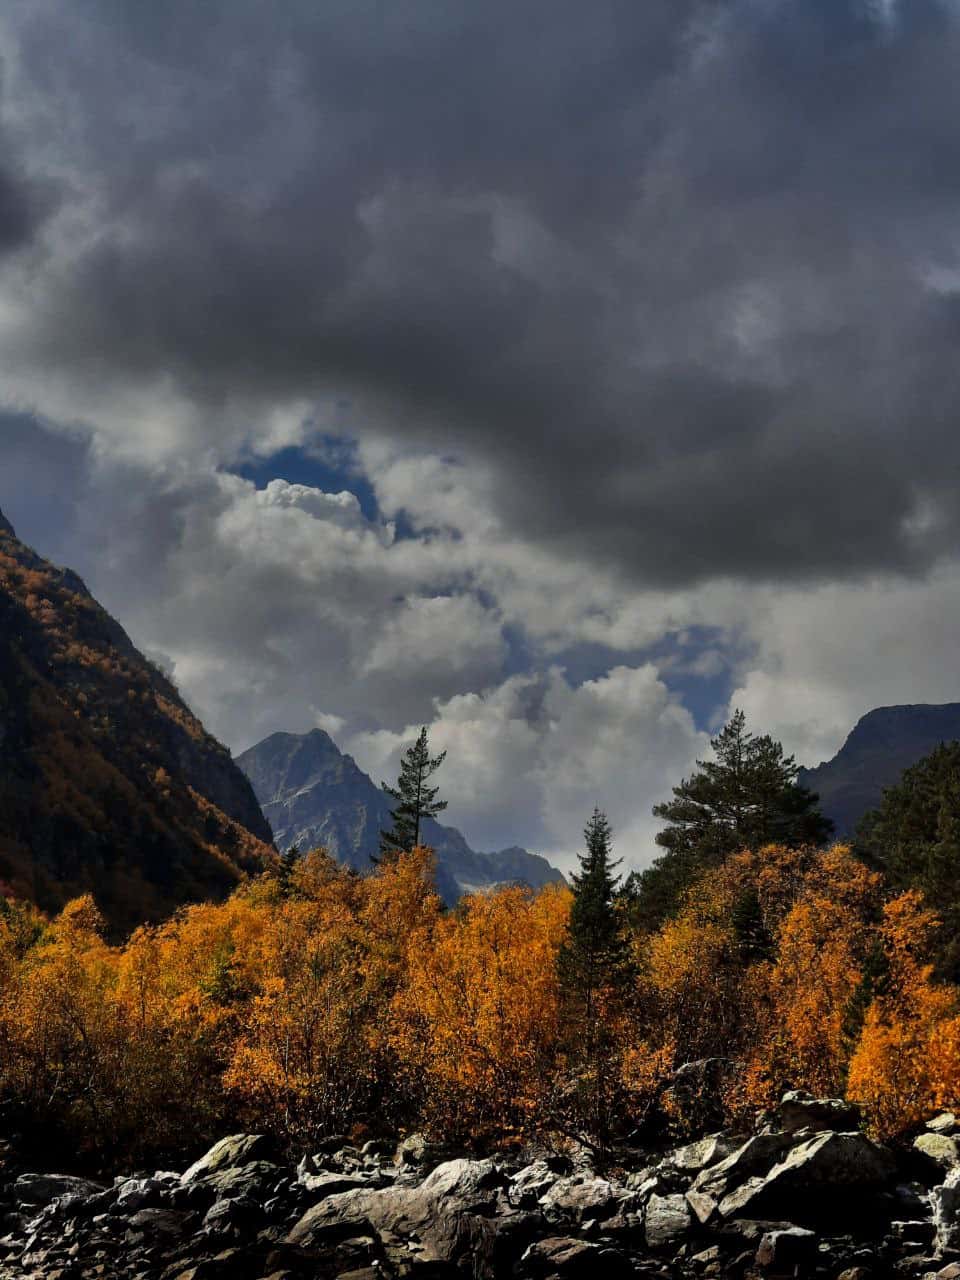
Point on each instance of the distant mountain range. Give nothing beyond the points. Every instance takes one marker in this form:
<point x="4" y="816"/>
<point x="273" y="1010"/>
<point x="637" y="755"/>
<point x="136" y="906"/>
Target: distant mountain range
<point x="878" y="749"/>
<point x="313" y="794"/>
<point x="108" y="782"/>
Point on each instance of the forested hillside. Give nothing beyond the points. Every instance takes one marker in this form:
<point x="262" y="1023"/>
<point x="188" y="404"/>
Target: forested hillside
<point x="108" y="782"/>
<point x="880" y="746"/>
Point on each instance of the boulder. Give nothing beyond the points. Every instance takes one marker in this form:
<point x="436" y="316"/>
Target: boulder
<point x="444" y="1220"/>
<point x="666" y="1221"/>
<point x="806" y="1179"/>
<point x="945" y="1202"/>
<point x="801" y="1110"/>
<point x="229" y="1153"/>
<point x="322" y="1185"/>
<point x="420" y="1152"/>
<point x="580" y="1198"/>
<point x="786" y="1250"/>
<point x="255" y="1180"/>
<point x="562" y="1256"/>
<point x="940" y="1148"/>
<point x="756" y="1156"/>
<point x="703" y="1207"/>
<point x="702" y="1154"/>
<point x="532" y="1182"/>
<point x="41" y="1188"/>
<point x="945" y="1122"/>
<point x="468" y="1182"/>
<point x="142" y="1193"/>
<point x="162" y="1222"/>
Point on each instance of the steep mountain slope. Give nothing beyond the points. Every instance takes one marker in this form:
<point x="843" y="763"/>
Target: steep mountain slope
<point x="108" y="783"/>
<point x="314" y="795"/>
<point x="881" y="745"/>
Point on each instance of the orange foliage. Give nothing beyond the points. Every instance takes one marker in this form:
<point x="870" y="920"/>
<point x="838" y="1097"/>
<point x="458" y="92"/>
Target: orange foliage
<point x="329" y="1002"/>
<point x="479" y="1015"/>
<point x="907" y="1063"/>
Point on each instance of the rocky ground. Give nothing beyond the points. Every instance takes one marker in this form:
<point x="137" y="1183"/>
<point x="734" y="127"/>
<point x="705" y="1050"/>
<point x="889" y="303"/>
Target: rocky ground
<point x="808" y="1195"/>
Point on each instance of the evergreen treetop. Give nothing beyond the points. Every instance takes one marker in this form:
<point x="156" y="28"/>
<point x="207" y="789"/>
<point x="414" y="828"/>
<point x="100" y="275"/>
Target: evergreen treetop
<point x="595" y="951"/>
<point x="744" y="798"/>
<point x="415" y="799"/>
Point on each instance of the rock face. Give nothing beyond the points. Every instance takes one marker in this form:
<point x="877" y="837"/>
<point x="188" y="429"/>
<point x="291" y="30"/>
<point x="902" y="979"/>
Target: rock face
<point x="880" y="746"/>
<point x="315" y="795"/>
<point x="365" y="1214"/>
<point x="108" y="783"/>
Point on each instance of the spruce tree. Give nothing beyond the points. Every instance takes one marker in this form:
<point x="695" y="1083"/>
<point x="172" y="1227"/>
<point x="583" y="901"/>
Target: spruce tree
<point x="415" y="799"/>
<point x="914" y="838"/>
<point x="593" y="967"/>
<point x="746" y="797"/>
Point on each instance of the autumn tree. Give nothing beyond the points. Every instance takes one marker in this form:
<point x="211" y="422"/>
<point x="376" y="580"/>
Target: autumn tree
<point x="480" y="1014"/>
<point x="747" y="797"/>
<point x="593" y="965"/>
<point x="907" y="1063"/>
<point x="416" y="799"/>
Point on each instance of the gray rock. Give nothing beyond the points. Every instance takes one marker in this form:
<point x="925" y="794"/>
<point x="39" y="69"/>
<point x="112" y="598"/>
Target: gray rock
<point x="801" y="1110"/>
<point x="140" y="1193"/>
<point x="224" y="1215"/>
<point x="945" y="1202"/>
<point x="562" y="1256"/>
<point x="163" y="1222"/>
<point x="666" y="1221"/>
<point x="254" y="1180"/>
<point x="444" y="1220"/>
<point x="940" y="1148"/>
<point x="41" y="1188"/>
<point x="945" y="1122"/>
<point x="532" y="1182"/>
<point x="812" y="1171"/>
<point x="331" y="1184"/>
<point x="580" y="1197"/>
<point x="703" y="1207"/>
<point x="786" y="1250"/>
<point x="468" y="1182"/>
<point x="757" y="1156"/>
<point x="702" y="1154"/>
<point x="229" y="1153"/>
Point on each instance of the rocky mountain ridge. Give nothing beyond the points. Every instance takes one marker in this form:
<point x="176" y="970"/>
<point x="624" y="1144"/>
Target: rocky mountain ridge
<point x="313" y="794"/>
<point x="809" y="1195"/>
<point x="880" y="746"/>
<point x="108" y="782"/>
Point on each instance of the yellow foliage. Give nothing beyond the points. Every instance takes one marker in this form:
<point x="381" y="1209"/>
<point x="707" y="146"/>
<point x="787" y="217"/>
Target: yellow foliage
<point x="328" y="1001"/>
<point x="479" y="1015"/>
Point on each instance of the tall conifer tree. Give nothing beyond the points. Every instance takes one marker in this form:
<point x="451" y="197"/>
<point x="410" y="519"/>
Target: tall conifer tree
<point x="593" y="967"/>
<point x="415" y="799"/>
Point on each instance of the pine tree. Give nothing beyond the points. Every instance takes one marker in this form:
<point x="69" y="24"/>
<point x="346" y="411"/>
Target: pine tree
<point x="593" y="967"/>
<point x="748" y="796"/>
<point x="914" y="838"/>
<point x="287" y="866"/>
<point x="415" y="799"/>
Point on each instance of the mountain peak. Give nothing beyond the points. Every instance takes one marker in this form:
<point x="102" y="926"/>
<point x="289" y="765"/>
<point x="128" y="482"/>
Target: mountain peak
<point x="6" y="527"/>
<point x="313" y="794"/>
<point x="882" y="743"/>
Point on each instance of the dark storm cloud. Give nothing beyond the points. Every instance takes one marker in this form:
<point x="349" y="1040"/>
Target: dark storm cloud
<point x="666" y="266"/>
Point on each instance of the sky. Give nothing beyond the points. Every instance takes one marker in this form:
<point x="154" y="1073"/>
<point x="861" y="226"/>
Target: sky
<point x="558" y="376"/>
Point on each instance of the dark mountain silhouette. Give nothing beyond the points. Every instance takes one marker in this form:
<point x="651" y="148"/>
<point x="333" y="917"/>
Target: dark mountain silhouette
<point x="880" y="746"/>
<point x="108" y="782"/>
<point x="314" y="795"/>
